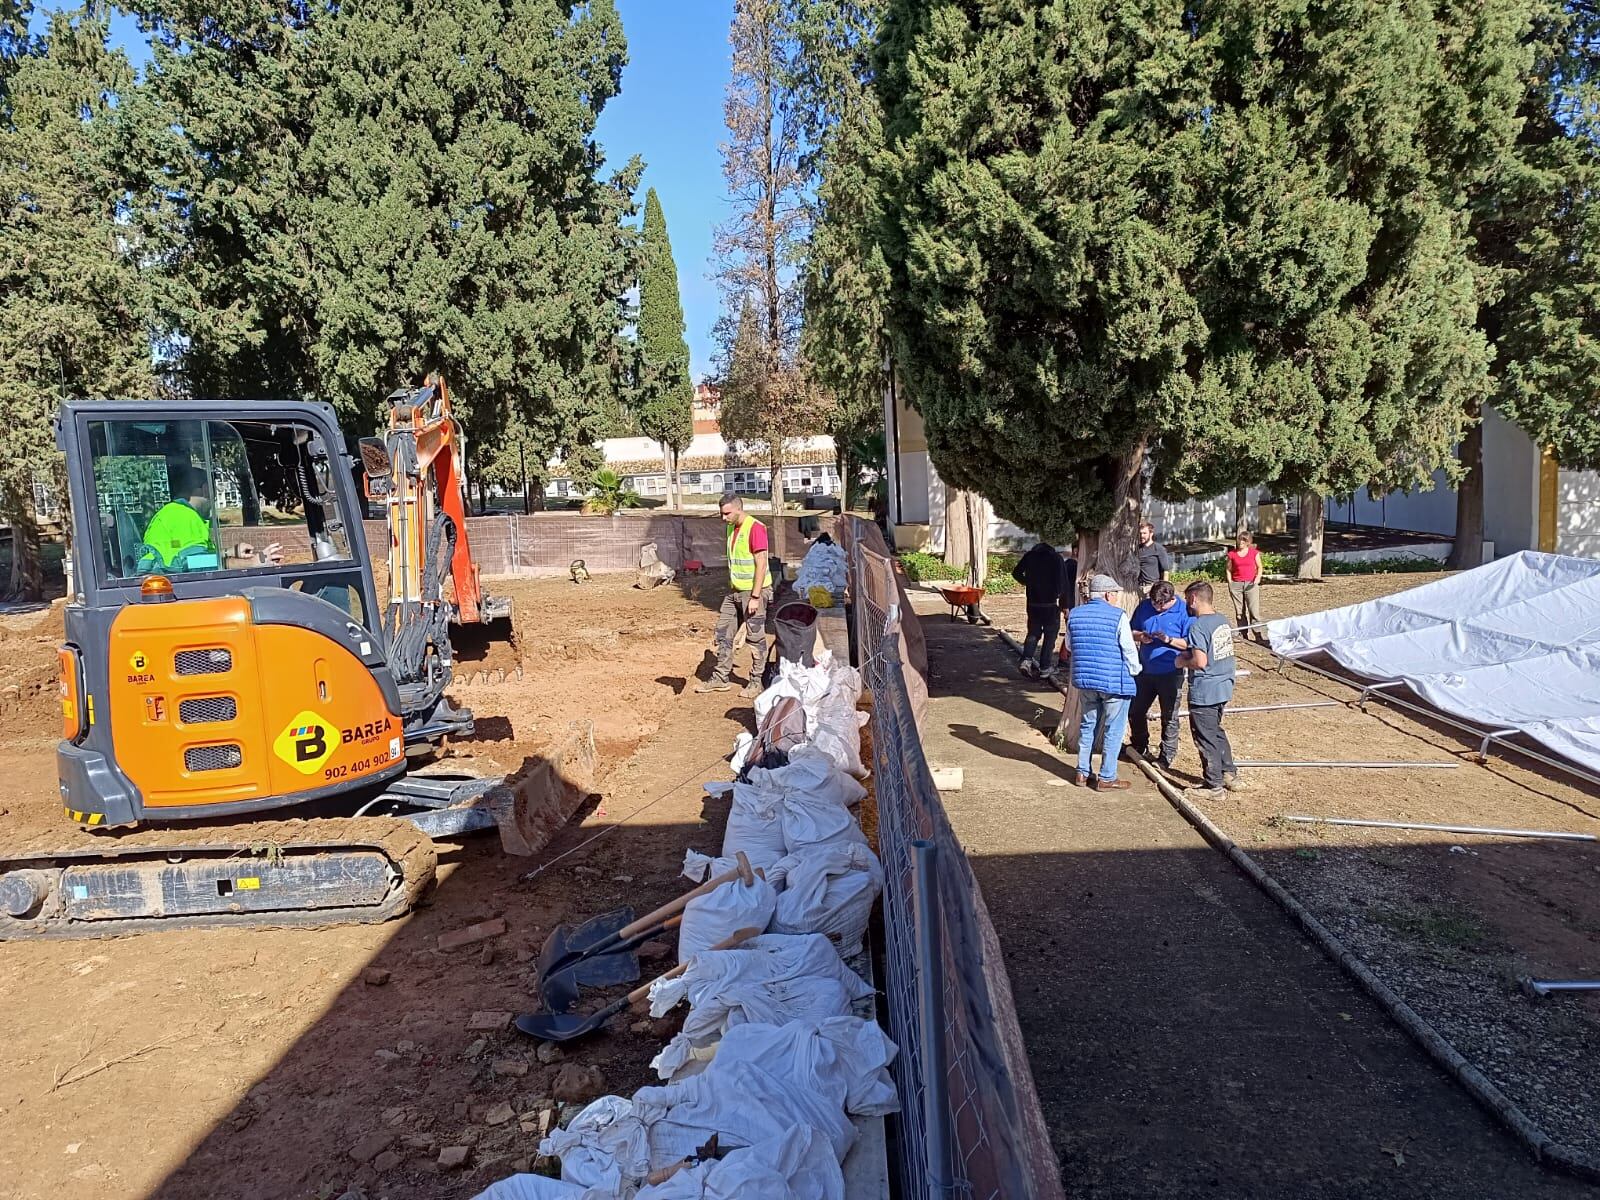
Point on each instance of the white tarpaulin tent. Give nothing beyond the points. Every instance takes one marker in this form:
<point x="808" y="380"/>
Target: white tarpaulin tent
<point x="1512" y="645"/>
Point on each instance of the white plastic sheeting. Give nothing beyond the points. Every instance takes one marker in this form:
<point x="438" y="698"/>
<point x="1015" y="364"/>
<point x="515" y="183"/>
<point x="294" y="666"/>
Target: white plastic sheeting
<point x="1511" y="645"/>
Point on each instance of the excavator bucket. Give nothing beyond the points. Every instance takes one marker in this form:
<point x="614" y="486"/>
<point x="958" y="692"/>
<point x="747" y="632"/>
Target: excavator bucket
<point x="527" y="808"/>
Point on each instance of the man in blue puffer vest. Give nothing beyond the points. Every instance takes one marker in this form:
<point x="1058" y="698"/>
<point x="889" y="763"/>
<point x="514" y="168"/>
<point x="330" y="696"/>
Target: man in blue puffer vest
<point x="1104" y="662"/>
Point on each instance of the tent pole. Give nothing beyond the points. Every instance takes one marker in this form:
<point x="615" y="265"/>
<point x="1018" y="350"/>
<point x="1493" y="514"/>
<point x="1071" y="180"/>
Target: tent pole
<point x="1555" y="835"/>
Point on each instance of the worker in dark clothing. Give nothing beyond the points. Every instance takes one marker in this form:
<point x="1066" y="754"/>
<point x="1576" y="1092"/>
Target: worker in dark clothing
<point x="1043" y="576"/>
<point x="1155" y="560"/>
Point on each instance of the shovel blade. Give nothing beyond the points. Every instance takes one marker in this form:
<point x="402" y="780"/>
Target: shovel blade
<point x="567" y="941"/>
<point x="560" y="988"/>
<point x="559" y="1027"/>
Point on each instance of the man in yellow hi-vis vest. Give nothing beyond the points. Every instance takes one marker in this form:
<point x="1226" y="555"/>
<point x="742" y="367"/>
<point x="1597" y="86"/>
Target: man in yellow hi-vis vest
<point x="747" y="600"/>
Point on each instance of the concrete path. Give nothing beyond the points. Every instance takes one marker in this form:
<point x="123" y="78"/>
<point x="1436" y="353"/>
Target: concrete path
<point x="1185" y="1039"/>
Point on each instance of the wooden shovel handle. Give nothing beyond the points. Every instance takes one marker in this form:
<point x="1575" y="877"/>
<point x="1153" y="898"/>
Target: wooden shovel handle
<point x="741" y="872"/>
<point x="727" y="943"/>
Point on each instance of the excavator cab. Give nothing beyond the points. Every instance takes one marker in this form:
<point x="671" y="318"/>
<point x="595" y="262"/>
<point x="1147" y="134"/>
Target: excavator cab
<point x="225" y="649"/>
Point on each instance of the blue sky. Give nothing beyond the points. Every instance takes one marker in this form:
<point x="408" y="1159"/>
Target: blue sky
<point x="669" y="113"/>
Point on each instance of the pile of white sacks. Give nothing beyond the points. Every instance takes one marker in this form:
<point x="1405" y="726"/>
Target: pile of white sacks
<point x="771" y="1061"/>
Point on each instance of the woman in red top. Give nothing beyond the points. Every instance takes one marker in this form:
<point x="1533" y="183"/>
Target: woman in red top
<point x="1244" y="584"/>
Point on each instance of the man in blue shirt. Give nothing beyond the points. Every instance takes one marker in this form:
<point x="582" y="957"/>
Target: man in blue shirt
<point x="1160" y="629"/>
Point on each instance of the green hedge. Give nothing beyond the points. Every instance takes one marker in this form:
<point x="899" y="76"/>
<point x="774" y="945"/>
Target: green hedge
<point x="1287" y="564"/>
<point x="922" y="567"/>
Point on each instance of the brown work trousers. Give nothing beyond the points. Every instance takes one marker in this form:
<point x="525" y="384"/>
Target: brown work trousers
<point x="735" y="612"/>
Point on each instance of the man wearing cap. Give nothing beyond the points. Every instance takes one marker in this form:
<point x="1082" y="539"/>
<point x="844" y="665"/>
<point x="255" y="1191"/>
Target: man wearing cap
<point x="1104" y="663"/>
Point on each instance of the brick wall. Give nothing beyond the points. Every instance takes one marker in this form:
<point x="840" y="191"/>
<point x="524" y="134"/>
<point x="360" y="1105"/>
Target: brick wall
<point x="547" y="543"/>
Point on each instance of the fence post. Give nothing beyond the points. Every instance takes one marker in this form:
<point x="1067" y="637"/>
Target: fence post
<point x="930" y="1016"/>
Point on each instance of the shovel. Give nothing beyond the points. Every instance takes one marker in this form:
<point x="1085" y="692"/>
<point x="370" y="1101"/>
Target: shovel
<point x="563" y="985"/>
<point x="564" y="1027"/>
<point x="616" y="935"/>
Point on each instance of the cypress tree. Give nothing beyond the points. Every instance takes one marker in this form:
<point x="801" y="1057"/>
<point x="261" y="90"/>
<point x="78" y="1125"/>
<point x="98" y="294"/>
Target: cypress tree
<point x="1224" y="243"/>
<point x="74" y="303"/>
<point x="1536" y="229"/>
<point x="846" y="281"/>
<point x="665" y="403"/>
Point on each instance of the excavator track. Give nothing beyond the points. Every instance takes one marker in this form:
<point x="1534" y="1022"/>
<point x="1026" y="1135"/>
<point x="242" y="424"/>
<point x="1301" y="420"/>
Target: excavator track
<point x="299" y="873"/>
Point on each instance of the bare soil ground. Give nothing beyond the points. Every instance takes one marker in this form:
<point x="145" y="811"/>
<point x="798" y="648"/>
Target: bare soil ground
<point x="258" y="1062"/>
<point x="1451" y="922"/>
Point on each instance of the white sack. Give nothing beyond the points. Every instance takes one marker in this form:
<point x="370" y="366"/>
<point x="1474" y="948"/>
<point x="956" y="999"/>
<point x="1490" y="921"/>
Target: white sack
<point x="540" y="1187"/>
<point x="796" y="1165"/>
<point x="811" y="771"/>
<point x="1511" y="645"/>
<point x="836" y="730"/>
<point x="816" y="794"/>
<point x="722" y="912"/>
<point x="772" y="979"/>
<point x="755" y="825"/>
<point x="743" y="1105"/>
<point x="605" y="1146"/>
<point x="828" y="890"/>
<point x="743" y="743"/>
<point x="824" y="566"/>
<point x="844" y="1057"/>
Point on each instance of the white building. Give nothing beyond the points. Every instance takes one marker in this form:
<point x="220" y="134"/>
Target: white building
<point x="711" y="466"/>
<point x="1530" y="501"/>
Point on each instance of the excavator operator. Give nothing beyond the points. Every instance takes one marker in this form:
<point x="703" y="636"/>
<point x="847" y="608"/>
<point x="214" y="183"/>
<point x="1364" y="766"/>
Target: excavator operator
<point x="181" y="524"/>
<point x="180" y="534"/>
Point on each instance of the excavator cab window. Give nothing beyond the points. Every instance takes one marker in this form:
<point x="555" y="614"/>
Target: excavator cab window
<point x="179" y="496"/>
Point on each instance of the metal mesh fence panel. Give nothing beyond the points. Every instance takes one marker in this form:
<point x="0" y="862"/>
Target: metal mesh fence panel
<point x="970" y="1123"/>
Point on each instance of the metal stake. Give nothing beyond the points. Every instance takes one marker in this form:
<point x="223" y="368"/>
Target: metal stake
<point x="1247" y="708"/>
<point x="1524" y="833"/>
<point x="1548" y="987"/>
<point x="930" y="1016"/>
<point x="1370" y="766"/>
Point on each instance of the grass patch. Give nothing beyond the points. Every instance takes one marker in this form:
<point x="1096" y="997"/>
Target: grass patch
<point x="922" y="567"/>
<point x="1440" y="928"/>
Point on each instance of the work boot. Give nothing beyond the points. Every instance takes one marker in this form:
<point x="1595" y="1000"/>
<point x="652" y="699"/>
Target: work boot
<point x="1235" y="784"/>
<point x="1205" y="793"/>
<point x="1110" y="785"/>
<point x="751" y="690"/>
<point x="1029" y="669"/>
<point x="714" y="685"/>
<point x="1079" y="779"/>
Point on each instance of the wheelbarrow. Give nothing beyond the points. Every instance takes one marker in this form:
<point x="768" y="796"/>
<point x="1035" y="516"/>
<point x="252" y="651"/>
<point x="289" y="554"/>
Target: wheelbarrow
<point x="963" y="600"/>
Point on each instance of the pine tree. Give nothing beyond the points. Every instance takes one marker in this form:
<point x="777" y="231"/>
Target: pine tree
<point x="1221" y="242"/>
<point x="74" y="304"/>
<point x="665" y="403"/>
<point x="369" y="192"/>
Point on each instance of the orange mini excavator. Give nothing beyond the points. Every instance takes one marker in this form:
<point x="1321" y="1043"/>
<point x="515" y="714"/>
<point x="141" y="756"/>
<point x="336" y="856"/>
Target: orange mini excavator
<point x="226" y="660"/>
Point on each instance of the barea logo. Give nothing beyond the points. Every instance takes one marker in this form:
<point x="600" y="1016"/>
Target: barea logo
<point x="305" y="744"/>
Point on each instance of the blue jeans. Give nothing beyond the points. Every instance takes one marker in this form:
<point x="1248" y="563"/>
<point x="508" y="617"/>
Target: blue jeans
<point x="1109" y="715"/>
